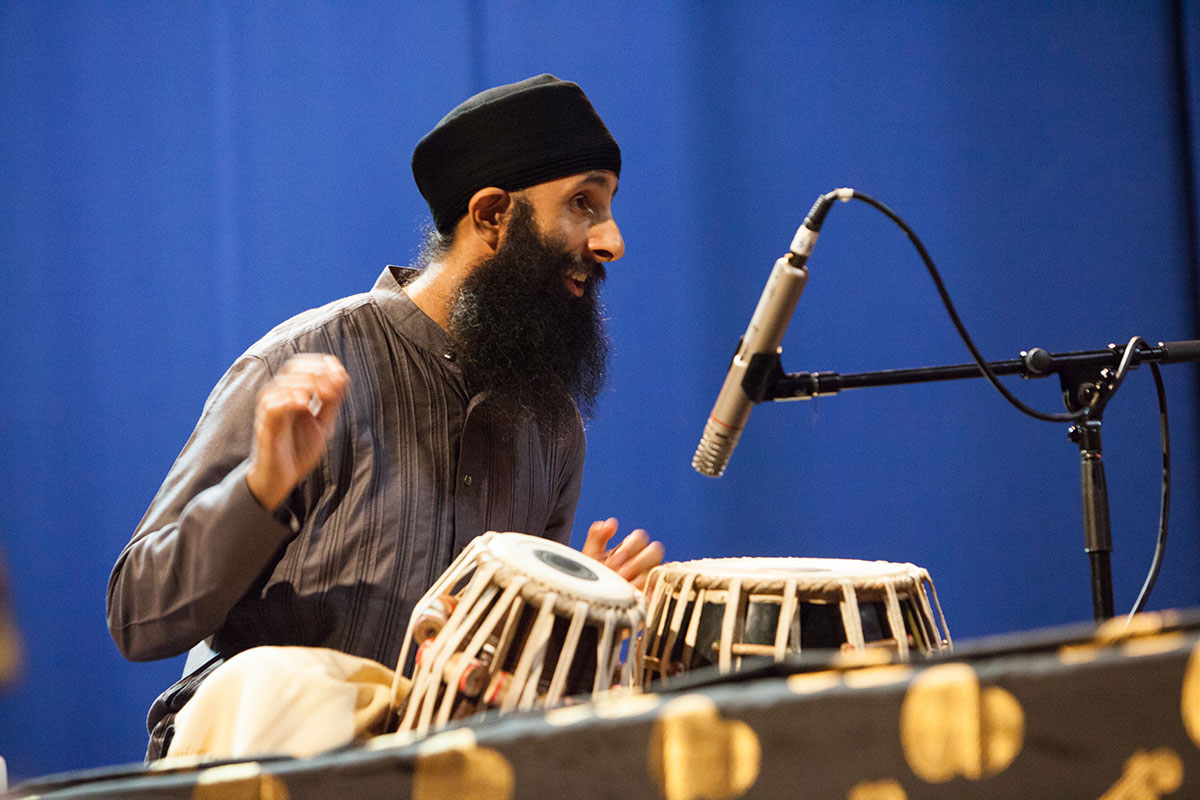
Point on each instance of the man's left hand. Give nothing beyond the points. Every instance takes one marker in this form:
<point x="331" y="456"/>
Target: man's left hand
<point x="632" y="559"/>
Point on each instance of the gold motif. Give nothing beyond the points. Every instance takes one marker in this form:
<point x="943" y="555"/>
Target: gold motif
<point x="1147" y="624"/>
<point x="1148" y="776"/>
<point x="878" y="790"/>
<point x="874" y="677"/>
<point x="456" y="739"/>
<point x="628" y="705"/>
<point x="388" y="741"/>
<point x="245" y="781"/>
<point x="1153" y="645"/>
<point x="1141" y="636"/>
<point x="851" y="658"/>
<point x="694" y="753"/>
<point x="450" y="765"/>
<point x="1072" y="654"/>
<point x="813" y="682"/>
<point x="950" y="727"/>
<point x="563" y="716"/>
<point x="1190" y="701"/>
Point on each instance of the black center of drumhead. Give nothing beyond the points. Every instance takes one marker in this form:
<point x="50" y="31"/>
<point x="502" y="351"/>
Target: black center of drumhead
<point x="567" y="565"/>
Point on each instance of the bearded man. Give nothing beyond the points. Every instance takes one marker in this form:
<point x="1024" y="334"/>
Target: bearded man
<point x="348" y="456"/>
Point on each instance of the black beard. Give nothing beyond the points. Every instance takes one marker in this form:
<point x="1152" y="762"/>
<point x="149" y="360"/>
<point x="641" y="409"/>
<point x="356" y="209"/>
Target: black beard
<point x="538" y="352"/>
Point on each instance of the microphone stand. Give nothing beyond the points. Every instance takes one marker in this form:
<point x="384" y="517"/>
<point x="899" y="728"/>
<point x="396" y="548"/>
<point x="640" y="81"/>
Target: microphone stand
<point x="1087" y="380"/>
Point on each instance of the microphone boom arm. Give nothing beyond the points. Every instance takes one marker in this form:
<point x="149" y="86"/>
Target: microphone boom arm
<point x="765" y="379"/>
<point x="1088" y="380"/>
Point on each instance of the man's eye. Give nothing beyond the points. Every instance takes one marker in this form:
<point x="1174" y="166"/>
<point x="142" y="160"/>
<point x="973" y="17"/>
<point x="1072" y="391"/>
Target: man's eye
<point x="580" y="202"/>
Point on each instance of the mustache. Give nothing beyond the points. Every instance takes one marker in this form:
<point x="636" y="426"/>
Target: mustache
<point x="592" y="268"/>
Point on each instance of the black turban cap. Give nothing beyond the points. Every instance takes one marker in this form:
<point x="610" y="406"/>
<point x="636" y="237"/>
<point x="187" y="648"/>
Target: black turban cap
<point x="510" y="137"/>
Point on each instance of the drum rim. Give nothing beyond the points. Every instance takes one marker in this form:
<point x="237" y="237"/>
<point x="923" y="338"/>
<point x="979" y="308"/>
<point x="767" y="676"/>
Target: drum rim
<point x="773" y="573"/>
<point x="535" y="588"/>
<point x="792" y="566"/>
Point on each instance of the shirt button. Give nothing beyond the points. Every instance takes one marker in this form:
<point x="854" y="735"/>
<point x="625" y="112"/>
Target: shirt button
<point x="467" y="480"/>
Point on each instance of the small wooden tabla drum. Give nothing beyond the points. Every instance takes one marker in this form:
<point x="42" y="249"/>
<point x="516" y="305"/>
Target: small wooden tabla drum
<point x="517" y="622"/>
<point x="716" y="610"/>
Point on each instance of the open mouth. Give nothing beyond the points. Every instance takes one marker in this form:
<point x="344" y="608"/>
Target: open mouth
<point x="576" y="280"/>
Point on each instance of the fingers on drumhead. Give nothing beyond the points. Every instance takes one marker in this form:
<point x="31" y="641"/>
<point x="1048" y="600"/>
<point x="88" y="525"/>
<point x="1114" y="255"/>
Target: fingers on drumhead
<point x="599" y="532"/>
<point x="646" y="558"/>
<point x="630" y="546"/>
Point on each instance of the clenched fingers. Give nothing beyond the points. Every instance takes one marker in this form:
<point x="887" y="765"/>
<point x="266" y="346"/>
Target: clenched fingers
<point x="313" y="382"/>
<point x="295" y="414"/>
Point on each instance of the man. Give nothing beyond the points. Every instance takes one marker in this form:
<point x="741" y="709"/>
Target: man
<point x="347" y="456"/>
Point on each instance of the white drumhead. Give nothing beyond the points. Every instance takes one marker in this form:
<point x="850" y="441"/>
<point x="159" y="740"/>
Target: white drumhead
<point x="799" y="568"/>
<point x="562" y="569"/>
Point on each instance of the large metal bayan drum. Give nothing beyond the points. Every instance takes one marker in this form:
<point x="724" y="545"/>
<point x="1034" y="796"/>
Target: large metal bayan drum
<point x="717" y="610"/>
<point x="517" y="622"/>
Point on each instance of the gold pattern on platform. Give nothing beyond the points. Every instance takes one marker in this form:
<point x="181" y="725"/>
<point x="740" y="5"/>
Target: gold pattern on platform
<point x="1121" y="628"/>
<point x="878" y="790"/>
<point x="389" y="741"/>
<point x="1154" y="645"/>
<point x="1070" y="655"/>
<point x="805" y="683"/>
<point x="564" y="716"/>
<point x="623" y="706"/>
<point x="951" y="727"/>
<point x="612" y="705"/>
<point x="451" y="765"/>
<point x="695" y="754"/>
<point x="246" y="781"/>
<point x="874" y="677"/>
<point x="1142" y="636"/>
<point x="1190" y="701"/>
<point x="1148" y="776"/>
<point x="862" y="657"/>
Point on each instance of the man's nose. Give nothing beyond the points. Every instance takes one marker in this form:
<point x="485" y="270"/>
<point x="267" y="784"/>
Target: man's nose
<point x="605" y="242"/>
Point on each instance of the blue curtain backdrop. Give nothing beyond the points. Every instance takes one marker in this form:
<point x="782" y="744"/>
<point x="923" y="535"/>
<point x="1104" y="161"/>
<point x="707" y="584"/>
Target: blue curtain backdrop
<point x="176" y="178"/>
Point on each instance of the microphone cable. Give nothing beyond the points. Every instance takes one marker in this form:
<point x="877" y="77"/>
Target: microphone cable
<point x="1073" y="416"/>
<point x="1095" y="404"/>
<point x="1164" y="507"/>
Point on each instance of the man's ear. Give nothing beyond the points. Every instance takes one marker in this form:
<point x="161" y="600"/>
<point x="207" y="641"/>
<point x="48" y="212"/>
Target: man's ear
<point x="487" y="214"/>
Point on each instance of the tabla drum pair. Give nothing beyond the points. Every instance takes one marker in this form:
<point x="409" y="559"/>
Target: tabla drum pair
<point x="521" y="622"/>
<point x="717" y="611"/>
<point x="517" y="622"/>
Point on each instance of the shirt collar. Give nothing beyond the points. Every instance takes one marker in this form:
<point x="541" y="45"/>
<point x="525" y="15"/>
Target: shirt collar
<point x="407" y="318"/>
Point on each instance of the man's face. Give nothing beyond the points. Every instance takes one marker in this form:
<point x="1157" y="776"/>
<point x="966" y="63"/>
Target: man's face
<point x="576" y="212"/>
<point x="527" y="318"/>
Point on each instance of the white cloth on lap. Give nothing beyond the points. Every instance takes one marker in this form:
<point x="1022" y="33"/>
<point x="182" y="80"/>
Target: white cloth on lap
<point x="297" y="701"/>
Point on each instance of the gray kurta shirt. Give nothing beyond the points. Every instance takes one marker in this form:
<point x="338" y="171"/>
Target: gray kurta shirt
<point x="412" y="473"/>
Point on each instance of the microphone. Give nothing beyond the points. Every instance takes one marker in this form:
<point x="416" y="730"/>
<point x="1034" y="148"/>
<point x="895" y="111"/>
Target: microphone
<point x="762" y="338"/>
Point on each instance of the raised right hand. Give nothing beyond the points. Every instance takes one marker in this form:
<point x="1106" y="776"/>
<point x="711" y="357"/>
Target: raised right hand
<point x="288" y="437"/>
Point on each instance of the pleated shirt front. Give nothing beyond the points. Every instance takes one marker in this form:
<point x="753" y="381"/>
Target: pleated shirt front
<point x="413" y="471"/>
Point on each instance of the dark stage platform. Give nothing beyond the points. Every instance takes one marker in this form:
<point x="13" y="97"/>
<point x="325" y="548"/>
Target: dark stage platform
<point x="1065" y="713"/>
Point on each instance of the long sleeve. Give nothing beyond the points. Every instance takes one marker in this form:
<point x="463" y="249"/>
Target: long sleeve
<point x="204" y="540"/>
<point x="413" y="470"/>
